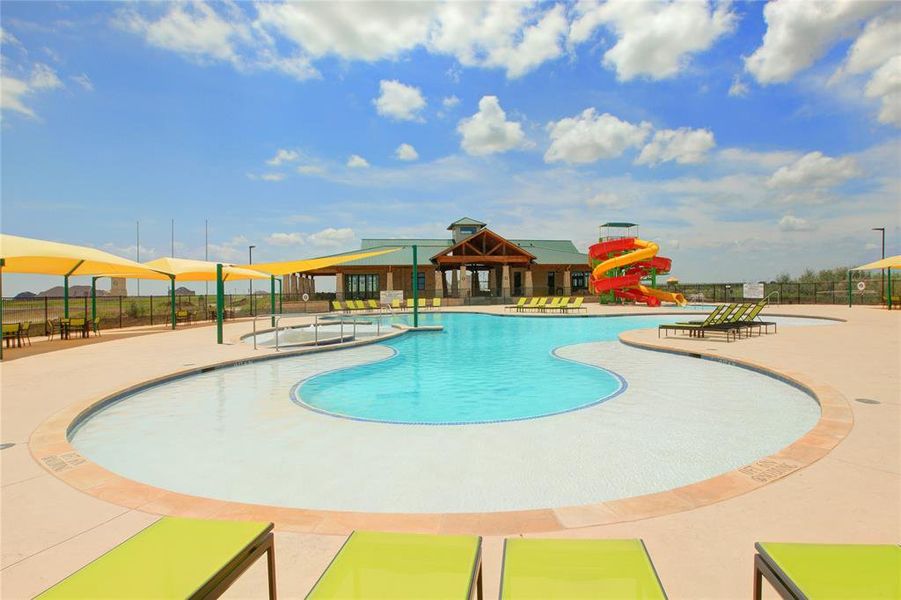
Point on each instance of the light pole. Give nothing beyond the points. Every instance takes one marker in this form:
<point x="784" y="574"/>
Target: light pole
<point x="250" y="262"/>
<point x="882" y="229"/>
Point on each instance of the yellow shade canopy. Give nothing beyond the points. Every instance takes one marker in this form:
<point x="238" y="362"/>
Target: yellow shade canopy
<point x="186" y="269"/>
<point x="27" y="255"/>
<point x="891" y="262"/>
<point x="312" y="264"/>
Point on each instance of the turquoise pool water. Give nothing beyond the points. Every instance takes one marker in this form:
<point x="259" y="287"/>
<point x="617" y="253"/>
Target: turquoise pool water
<point x="480" y="369"/>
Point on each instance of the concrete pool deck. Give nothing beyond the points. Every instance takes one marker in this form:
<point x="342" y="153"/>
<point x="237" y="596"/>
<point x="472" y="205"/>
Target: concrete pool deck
<point x="851" y="493"/>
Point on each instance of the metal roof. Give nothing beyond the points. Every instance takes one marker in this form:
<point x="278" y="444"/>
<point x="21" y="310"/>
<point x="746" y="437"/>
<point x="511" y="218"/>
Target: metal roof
<point x="466" y="221"/>
<point x="547" y="252"/>
<point x="615" y="224"/>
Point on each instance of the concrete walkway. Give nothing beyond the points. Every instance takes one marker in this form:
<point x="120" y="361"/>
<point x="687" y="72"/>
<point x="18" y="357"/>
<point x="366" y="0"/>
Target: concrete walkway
<point x="853" y="494"/>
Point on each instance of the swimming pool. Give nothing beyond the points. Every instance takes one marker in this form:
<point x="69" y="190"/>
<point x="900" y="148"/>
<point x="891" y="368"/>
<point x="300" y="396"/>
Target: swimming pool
<point x="240" y="434"/>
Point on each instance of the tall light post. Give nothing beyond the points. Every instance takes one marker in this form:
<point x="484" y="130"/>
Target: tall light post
<point x="882" y="229"/>
<point x="250" y="262"/>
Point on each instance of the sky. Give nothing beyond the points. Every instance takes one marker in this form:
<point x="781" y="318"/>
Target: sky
<point x="746" y="139"/>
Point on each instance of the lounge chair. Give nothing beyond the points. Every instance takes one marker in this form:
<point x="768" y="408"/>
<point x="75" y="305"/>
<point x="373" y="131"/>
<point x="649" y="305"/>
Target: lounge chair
<point x="395" y="304"/>
<point x="519" y="304"/>
<point x="716" y="312"/>
<point x="829" y="570"/>
<point x="12" y="332"/>
<point x="533" y="303"/>
<point x="174" y="558"/>
<point x="698" y="329"/>
<point x="578" y="568"/>
<point x="372" y="304"/>
<point x="336" y="306"/>
<point x="422" y="303"/>
<point x="409" y="303"/>
<point x="576" y="305"/>
<point x="552" y="305"/>
<point x="436" y="302"/>
<point x="403" y="565"/>
<point x="753" y="320"/>
<point x="539" y="305"/>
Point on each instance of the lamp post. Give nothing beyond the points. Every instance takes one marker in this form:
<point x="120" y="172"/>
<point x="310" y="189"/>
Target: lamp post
<point x="250" y="262"/>
<point x="882" y="229"/>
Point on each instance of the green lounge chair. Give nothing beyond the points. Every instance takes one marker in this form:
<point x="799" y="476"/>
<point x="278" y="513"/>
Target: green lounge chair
<point x="422" y="303"/>
<point x="173" y="558"/>
<point x="532" y="304"/>
<point x="395" y="304"/>
<point x="539" y="305"/>
<point x="552" y="305"/>
<point x="852" y="571"/>
<point x="698" y="329"/>
<point x="576" y="305"/>
<point x="716" y="312"/>
<point x="436" y="302"/>
<point x="372" y="304"/>
<point x="577" y="568"/>
<point x="360" y="304"/>
<point x="409" y="303"/>
<point x="336" y="306"/>
<point x="564" y="304"/>
<point x="519" y="304"/>
<point x="403" y="565"/>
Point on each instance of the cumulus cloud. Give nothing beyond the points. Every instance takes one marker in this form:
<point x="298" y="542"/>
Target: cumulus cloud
<point x="406" y="152"/>
<point x="653" y="39"/>
<point x="799" y="33"/>
<point x="84" y="81"/>
<point x="283" y="156"/>
<point x="738" y="88"/>
<point x="815" y="170"/>
<point x="488" y="131"/>
<point x="272" y="176"/>
<point x="15" y="92"/>
<point x="285" y="239"/>
<point x="355" y="161"/>
<point x="588" y="137"/>
<point x="399" y="101"/>
<point x="333" y="237"/>
<point x="449" y="102"/>
<point x="886" y="86"/>
<point x="792" y="223"/>
<point x="310" y="169"/>
<point x="608" y="200"/>
<point x="684" y="146"/>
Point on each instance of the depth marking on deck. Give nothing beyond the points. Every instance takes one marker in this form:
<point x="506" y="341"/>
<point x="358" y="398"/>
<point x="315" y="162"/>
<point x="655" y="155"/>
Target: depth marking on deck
<point x="767" y="470"/>
<point x="61" y="462"/>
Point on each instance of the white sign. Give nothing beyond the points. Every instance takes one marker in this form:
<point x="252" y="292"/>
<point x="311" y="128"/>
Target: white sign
<point x="388" y="296"/>
<point x="305" y="297"/>
<point x="752" y="290"/>
<point x="861" y="286"/>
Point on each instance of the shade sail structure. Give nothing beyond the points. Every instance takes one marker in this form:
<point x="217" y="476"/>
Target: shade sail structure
<point x="311" y="264"/>
<point x="891" y="262"/>
<point x="28" y="255"/>
<point x="186" y="269"/>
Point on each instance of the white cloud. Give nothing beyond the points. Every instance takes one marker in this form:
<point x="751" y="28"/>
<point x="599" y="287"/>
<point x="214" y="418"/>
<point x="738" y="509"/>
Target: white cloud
<point x="653" y="39"/>
<point x="738" y="88"/>
<point x="272" y="176"/>
<point x="449" y="102"/>
<point x="488" y="131"/>
<point x="684" y="146"/>
<point x="886" y="85"/>
<point x="283" y="156"/>
<point x="792" y="223"/>
<point x="357" y="162"/>
<point x="286" y="239"/>
<point x="406" y="152"/>
<point x="878" y="42"/>
<point x="588" y="137"/>
<point x="744" y="158"/>
<point x="399" y="101"/>
<point x="14" y="92"/>
<point x="310" y="170"/>
<point x="9" y="39"/>
<point x="815" y="170"/>
<point x="800" y="32"/>
<point x="84" y="81"/>
<point x="333" y="237"/>
<point x="608" y="200"/>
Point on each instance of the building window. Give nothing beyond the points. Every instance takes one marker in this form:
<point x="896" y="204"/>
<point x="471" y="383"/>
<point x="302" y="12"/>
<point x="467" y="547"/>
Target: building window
<point x="580" y="280"/>
<point x="420" y="281"/>
<point x="551" y="281"/>
<point x="468" y="230"/>
<point x="362" y="286"/>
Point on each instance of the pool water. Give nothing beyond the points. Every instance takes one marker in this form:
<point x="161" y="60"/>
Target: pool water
<point x="481" y="368"/>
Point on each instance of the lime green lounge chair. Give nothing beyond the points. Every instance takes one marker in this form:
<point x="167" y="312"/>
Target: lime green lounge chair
<point x="395" y="304"/>
<point x="422" y="303"/>
<point x="552" y="305"/>
<point x="519" y="304"/>
<point x="173" y="558"/>
<point x="403" y="565"/>
<point x="533" y="303"/>
<point x="835" y="571"/>
<point x="372" y="304"/>
<point x="577" y="568"/>
<point x="539" y="304"/>
<point x="336" y="306"/>
<point x="436" y="302"/>
<point x="409" y="303"/>
<point x="576" y="305"/>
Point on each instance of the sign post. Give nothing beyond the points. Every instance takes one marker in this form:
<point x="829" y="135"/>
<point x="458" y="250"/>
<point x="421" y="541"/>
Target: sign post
<point x="415" y="288"/>
<point x="220" y="302"/>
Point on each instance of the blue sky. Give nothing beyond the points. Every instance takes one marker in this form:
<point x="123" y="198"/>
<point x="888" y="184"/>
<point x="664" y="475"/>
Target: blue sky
<point x="748" y="139"/>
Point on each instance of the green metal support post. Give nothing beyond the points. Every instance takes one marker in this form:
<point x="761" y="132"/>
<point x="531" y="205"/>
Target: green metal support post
<point x="280" y="308"/>
<point x="220" y="302"/>
<point x="415" y="288"/>
<point x="66" y="296"/>
<point x="172" y="299"/>
<point x="2" y="264"/>
<point x="272" y="297"/>
<point x="94" y="298"/>
<point x="890" y="288"/>
<point x="849" y="289"/>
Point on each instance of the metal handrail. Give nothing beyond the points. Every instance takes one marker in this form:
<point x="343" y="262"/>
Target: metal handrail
<point x="777" y="294"/>
<point x="315" y="325"/>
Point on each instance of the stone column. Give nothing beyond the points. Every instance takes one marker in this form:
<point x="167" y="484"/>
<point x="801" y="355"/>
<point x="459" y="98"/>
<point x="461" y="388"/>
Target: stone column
<point x="527" y="291"/>
<point x="339" y="285"/>
<point x="439" y="283"/>
<point x="455" y="286"/>
<point x="389" y="280"/>
<point x="465" y="284"/>
<point x="505" y="281"/>
<point x="312" y="284"/>
<point x="567" y="282"/>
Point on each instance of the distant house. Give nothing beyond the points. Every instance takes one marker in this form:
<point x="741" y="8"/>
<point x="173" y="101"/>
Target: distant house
<point x="183" y="291"/>
<point x="25" y="295"/>
<point x="74" y="291"/>
<point x="473" y="262"/>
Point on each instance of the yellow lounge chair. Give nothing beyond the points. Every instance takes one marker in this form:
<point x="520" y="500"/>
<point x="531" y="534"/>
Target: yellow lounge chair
<point x="359" y="304"/>
<point x="536" y="568"/>
<point x="542" y="302"/>
<point x="403" y="565"/>
<point x="173" y="558"/>
<point x="422" y="303"/>
<point x="576" y="305"/>
<point x="395" y="304"/>
<point x="564" y="304"/>
<point x="372" y="304"/>
<point x="519" y="304"/>
<point x="533" y="303"/>
<point x="336" y="306"/>
<point x="552" y="305"/>
<point x="436" y="302"/>
<point x="409" y="303"/>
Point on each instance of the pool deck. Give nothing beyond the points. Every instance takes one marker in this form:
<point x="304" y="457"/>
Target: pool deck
<point x="847" y="493"/>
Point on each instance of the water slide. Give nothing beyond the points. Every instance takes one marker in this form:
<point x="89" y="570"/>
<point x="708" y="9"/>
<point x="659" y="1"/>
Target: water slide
<point x="635" y="259"/>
